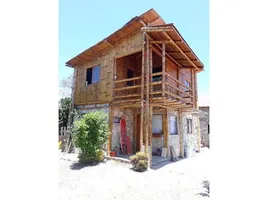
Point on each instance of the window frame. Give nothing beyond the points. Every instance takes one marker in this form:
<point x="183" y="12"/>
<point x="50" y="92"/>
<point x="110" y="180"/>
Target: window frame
<point x="161" y="132"/>
<point x="189" y="125"/>
<point x="92" y="74"/>
<point x="177" y="128"/>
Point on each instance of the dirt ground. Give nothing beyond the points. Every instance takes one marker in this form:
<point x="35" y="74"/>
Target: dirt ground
<point x="181" y="180"/>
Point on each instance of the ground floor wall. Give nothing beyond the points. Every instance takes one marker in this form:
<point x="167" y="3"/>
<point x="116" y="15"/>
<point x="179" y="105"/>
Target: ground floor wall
<point x="189" y="140"/>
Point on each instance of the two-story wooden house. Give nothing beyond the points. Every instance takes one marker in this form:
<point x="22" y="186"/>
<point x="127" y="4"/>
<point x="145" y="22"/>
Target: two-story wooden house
<point x="146" y="73"/>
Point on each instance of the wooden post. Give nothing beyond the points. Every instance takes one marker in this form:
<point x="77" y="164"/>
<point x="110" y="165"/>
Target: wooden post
<point x="193" y="88"/>
<point x="165" y="119"/>
<point x="111" y="122"/>
<point x="151" y="109"/>
<point x="147" y="97"/>
<point x="163" y="68"/>
<point x="142" y="91"/>
<point x="151" y="134"/>
<point x="181" y="134"/>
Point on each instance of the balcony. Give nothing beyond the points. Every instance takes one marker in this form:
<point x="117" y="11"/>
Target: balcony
<point x="168" y="92"/>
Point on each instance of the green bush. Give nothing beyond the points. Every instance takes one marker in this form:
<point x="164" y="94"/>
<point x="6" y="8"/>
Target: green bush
<point x="139" y="161"/>
<point x="90" y="135"/>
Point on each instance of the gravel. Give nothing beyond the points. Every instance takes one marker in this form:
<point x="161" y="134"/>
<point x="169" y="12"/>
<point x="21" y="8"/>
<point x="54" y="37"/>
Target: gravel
<point x="185" y="179"/>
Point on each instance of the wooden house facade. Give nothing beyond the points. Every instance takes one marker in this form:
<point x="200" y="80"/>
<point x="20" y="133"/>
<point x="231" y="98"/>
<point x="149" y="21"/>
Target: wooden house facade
<point x="146" y="73"/>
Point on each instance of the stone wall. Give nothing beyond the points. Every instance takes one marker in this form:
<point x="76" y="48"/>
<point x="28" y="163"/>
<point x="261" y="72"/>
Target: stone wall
<point x="204" y="121"/>
<point x="190" y="140"/>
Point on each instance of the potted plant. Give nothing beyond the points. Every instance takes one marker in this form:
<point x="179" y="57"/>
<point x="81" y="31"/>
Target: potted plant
<point x="113" y="153"/>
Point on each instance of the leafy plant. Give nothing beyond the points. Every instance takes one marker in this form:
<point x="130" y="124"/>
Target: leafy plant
<point x="64" y="108"/>
<point x="90" y="135"/>
<point x="139" y="161"/>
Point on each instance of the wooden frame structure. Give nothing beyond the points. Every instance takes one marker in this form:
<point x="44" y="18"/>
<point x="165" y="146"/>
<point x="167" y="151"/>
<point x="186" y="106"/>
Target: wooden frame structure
<point x="150" y="37"/>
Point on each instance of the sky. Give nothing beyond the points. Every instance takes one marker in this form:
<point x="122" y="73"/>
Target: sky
<point x="83" y="23"/>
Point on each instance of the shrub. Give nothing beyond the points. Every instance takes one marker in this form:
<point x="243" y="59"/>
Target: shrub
<point x="139" y="161"/>
<point x="90" y="135"/>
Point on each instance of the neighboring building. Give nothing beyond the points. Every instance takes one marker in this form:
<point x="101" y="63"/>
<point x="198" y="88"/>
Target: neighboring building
<point x="204" y="126"/>
<point x="145" y="72"/>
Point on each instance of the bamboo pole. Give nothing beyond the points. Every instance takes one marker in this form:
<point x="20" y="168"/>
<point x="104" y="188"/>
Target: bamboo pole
<point x="151" y="135"/>
<point x="165" y="116"/>
<point x="181" y="134"/>
<point x="147" y="97"/>
<point x="163" y="68"/>
<point x="142" y="90"/>
<point x="193" y="88"/>
<point x="151" y="108"/>
<point x="111" y="122"/>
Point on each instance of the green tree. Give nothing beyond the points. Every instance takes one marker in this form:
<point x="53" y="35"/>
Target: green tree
<point x="90" y="135"/>
<point x="64" y="109"/>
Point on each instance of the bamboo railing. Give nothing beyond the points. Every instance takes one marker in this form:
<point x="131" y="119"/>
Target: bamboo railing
<point x="174" y="89"/>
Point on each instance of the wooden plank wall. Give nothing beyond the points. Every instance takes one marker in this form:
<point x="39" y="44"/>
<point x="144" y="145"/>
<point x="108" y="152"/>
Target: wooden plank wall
<point x="102" y="92"/>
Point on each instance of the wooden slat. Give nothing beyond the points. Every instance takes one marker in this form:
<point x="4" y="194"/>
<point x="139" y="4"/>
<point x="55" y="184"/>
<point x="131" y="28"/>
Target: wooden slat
<point x="163" y="68"/>
<point x="177" y="81"/>
<point x="129" y="79"/>
<point x="127" y="96"/>
<point x="127" y="88"/>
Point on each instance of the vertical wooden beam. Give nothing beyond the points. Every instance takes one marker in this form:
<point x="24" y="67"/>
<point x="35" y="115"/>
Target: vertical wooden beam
<point x="163" y="68"/>
<point x="134" y="131"/>
<point x="193" y="87"/>
<point x="166" y="133"/>
<point x="151" y="109"/>
<point x="147" y="96"/>
<point x="114" y="78"/>
<point x="142" y="90"/>
<point x="151" y="135"/>
<point x="196" y="89"/>
<point x="110" y="131"/>
<point x="181" y="134"/>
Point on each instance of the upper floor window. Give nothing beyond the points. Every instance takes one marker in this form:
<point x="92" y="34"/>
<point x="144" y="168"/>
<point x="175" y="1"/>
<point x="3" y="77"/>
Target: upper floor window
<point x="187" y="83"/>
<point x="93" y="75"/>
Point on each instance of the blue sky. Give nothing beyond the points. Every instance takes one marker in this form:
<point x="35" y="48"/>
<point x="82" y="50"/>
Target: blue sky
<point x="83" y="23"/>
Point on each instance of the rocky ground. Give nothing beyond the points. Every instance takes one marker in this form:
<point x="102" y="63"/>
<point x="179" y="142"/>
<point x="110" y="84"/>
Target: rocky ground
<point x="184" y="179"/>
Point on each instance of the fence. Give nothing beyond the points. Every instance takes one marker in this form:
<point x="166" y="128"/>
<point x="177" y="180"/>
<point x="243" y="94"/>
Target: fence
<point x="63" y="133"/>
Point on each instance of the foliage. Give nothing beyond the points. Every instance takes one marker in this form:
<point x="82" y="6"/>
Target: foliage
<point x="90" y="134"/>
<point x="64" y="111"/>
<point x="139" y="161"/>
<point x="64" y="108"/>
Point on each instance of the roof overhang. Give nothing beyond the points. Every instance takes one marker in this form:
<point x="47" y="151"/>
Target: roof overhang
<point x="148" y="18"/>
<point x="157" y="30"/>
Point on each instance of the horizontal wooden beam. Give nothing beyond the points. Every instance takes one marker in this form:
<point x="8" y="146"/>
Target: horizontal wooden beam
<point x="180" y="50"/>
<point x="156" y="29"/>
<point x="129" y="79"/>
<point x="160" y="41"/>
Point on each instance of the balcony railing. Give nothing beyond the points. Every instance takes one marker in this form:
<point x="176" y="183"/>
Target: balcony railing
<point x="174" y="89"/>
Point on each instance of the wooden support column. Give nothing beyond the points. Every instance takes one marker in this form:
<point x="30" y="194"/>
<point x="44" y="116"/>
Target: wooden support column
<point x="110" y="130"/>
<point x="151" y="109"/>
<point x="147" y="97"/>
<point x="163" y="68"/>
<point x="166" y="133"/>
<point x="181" y="134"/>
<point x="193" y="87"/>
<point x="151" y="135"/>
<point x="142" y="91"/>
